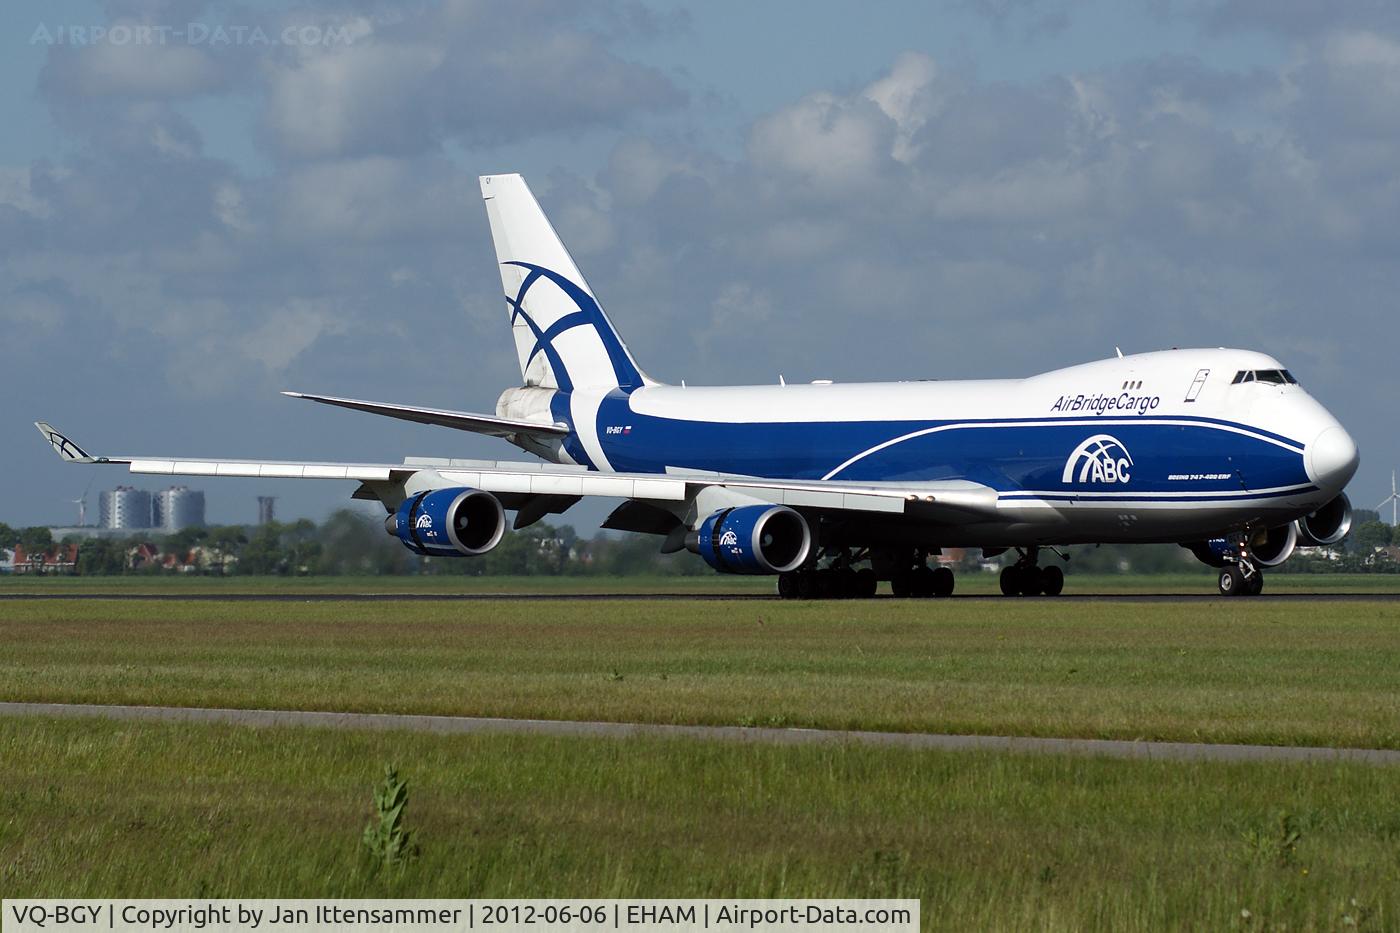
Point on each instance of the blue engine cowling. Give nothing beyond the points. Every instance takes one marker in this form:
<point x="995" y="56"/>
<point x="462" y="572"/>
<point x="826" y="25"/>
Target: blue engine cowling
<point x="453" y="522"/>
<point x="754" y="539"/>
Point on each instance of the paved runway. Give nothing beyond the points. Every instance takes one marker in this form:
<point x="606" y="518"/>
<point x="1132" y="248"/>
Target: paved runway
<point x="467" y="725"/>
<point x="634" y="597"/>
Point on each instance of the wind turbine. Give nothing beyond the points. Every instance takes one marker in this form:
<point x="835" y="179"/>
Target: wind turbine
<point x="1393" y="500"/>
<point x="81" y="503"/>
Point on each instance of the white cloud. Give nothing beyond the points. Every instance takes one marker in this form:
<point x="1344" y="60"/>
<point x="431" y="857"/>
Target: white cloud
<point x="908" y="96"/>
<point x="17" y="191"/>
<point x="418" y="77"/>
<point x="145" y="69"/>
<point x="288" y="331"/>
<point x="356" y="98"/>
<point x="825" y="139"/>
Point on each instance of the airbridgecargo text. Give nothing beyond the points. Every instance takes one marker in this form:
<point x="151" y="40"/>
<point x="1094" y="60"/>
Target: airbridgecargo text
<point x="449" y="916"/>
<point x="1101" y="404"/>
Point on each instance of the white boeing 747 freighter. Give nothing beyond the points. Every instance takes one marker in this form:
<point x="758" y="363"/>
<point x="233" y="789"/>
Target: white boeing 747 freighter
<point x="834" y="487"/>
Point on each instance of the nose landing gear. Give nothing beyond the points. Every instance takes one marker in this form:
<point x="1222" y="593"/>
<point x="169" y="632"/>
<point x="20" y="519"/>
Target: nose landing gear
<point x="1025" y="578"/>
<point x="1242" y="576"/>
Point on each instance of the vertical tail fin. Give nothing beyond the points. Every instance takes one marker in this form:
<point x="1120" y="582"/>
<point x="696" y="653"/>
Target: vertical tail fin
<point x="563" y="338"/>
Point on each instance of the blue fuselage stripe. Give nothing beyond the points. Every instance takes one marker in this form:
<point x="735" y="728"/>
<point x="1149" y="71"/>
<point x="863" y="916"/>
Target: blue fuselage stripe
<point x="1153" y="457"/>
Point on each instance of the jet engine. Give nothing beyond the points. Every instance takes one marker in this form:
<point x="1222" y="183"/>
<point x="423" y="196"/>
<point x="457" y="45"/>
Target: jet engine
<point x="753" y="539"/>
<point x="1274" y="546"/>
<point x="1328" y="525"/>
<point x="1268" y="548"/>
<point x="453" y="522"/>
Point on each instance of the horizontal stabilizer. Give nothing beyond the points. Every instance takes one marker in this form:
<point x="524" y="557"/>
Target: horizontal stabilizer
<point x="461" y="420"/>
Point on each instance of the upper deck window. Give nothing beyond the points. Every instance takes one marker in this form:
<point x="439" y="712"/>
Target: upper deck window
<point x="1275" y="377"/>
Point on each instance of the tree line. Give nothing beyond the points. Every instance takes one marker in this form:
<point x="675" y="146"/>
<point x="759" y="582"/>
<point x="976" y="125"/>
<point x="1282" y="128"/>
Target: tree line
<point x="351" y="543"/>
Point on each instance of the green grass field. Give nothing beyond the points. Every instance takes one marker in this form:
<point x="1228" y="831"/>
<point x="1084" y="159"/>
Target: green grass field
<point x="969" y="583"/>
<point x="987" y="842"/>
<point x="1315" y="673"/>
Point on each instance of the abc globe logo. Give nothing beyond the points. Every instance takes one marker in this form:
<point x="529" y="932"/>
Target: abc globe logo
<point x="1100" y="459"/>
<point x="729" y="539"/>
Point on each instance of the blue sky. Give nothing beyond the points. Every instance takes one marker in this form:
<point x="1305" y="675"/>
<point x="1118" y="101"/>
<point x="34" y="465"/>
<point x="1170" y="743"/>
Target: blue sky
<point x="854" y="191"/>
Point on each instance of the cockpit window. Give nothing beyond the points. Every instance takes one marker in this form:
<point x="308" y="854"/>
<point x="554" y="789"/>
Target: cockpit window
<point x="1276" y="377"/>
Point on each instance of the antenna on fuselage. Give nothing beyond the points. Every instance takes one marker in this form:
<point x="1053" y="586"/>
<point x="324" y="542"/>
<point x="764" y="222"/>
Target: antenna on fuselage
<point x="1119" y="351"/>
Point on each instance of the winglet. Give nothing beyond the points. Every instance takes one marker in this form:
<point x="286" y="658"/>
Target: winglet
<point x="63" y="446"/>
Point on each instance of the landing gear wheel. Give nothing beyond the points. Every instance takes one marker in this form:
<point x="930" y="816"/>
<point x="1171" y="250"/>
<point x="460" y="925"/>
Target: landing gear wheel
<point x="921" y="583"/>
<point x="901" y="584"/>
<point x="1052" y="581"/>
<point x="787" y="585"/>
<point x="1256" y="583"/>
<point x="865" y="583"/>
<point x="1031" y="581"/>
<point x="843" y="583"/>
<point x="1011" y="581"/>
<point x="942" y="582"/>
<point x="1232" y="582"/>
<point x="806" y="585"/>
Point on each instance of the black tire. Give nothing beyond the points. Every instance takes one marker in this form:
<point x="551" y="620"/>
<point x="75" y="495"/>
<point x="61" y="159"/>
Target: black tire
<point x="1052" y="581"/>
<point x="921" y="585"/>
<point x="1231" y="581"/>
<point x="843" y="583"/>
<point x="1032" y="581"/>
<point x="943" y="582"/>
<point x="1256" y="583"/>
<point x="1010" y="581"/>
<point x="866" y="583"/>
<point x="901" y="583"/>
<point x="806" y="585"/>
<point x="787" y="585"/>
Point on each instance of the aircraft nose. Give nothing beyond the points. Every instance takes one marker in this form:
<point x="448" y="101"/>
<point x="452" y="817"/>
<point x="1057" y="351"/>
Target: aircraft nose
<point x="1331" y="458"/>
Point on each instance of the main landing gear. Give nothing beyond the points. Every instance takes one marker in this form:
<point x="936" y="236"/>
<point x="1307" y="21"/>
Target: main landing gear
<point x="827" y="583"/>
<point x="920" y="580"/>
<point x="1241" y="576"/>
<point x="1024" y="578"/>
<point x="907" y="571"/>
<point x="838" y="581"/>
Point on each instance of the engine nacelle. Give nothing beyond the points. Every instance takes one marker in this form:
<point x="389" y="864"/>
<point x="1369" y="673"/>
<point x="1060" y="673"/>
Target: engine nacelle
<point x="1273" y="547"/>
<point x="754" y="539"/>
<point x="453" y="522"/>
<point x="1267" y="548"/>
<point x="1328" y="525"/>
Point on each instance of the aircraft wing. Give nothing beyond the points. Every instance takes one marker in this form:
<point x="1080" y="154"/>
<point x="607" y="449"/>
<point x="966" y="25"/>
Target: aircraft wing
<point x="952" y="501"/>
<point x="490" y="425"/>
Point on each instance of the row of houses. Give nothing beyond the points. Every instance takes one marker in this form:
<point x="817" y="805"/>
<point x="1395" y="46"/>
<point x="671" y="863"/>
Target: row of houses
<point x="63" y="558"/>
